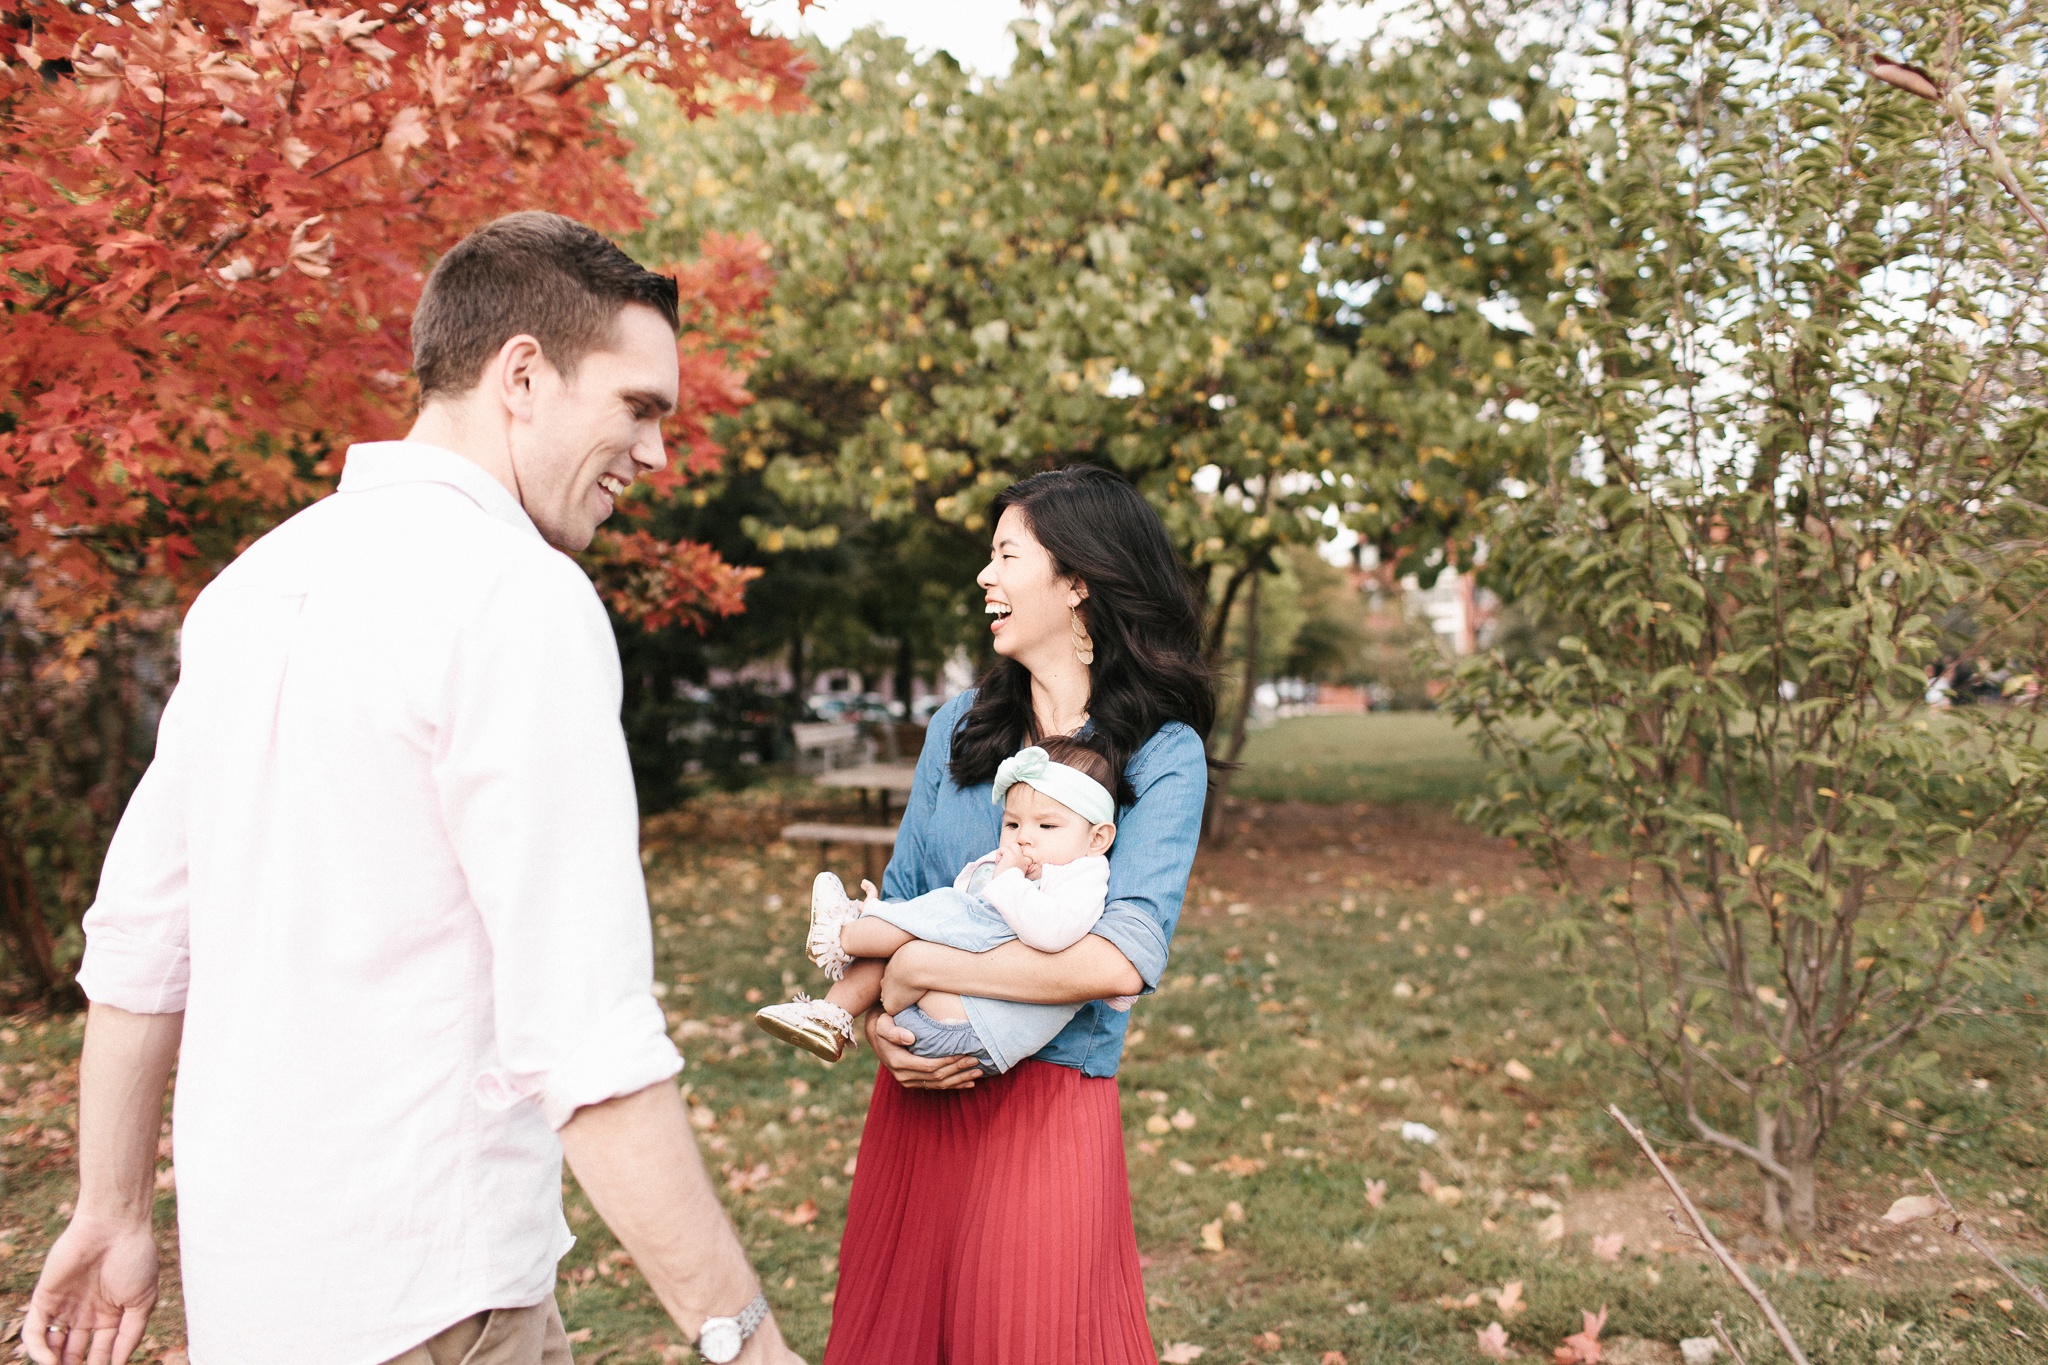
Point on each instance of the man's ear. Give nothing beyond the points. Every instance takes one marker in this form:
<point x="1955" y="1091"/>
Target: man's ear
<point x="514" y="371"/>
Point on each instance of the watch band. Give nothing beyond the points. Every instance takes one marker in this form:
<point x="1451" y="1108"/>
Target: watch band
<point x="753" y="1315"/>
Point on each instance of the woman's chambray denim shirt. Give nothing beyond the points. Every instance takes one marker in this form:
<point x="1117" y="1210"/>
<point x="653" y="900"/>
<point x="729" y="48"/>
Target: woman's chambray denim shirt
<point x="945" y="827"/>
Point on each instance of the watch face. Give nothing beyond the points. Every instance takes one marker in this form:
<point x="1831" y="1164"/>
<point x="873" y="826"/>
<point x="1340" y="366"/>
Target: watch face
<point x="719" y="1341"/>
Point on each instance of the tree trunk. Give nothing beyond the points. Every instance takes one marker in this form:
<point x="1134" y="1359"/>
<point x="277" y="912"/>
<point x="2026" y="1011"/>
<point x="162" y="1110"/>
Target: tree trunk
<point x="1774" y="1192"/>
<point x="796" y="668"/>
<point x="1250" y="682"/>
<point x="1219" y="778"/>
<point x="22" y="922"/>
<point x="1802" y="1217"/>
<point x="906" y="673"/>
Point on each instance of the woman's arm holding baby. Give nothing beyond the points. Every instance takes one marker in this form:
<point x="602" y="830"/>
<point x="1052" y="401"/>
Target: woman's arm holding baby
<point x="1093" y="969"/>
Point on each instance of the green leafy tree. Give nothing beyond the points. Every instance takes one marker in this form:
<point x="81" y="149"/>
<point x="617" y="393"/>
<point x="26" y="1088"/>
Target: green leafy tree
<point x="1279" y="297"/>
<point x="1797" y="460"/>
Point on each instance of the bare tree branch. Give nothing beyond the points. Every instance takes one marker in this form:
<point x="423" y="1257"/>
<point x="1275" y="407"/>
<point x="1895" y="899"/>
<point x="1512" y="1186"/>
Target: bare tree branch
<point x="1706" y="1234"/>
<point x="1959" y="1228"/>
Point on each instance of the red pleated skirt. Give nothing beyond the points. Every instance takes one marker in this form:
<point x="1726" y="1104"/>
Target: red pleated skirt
<point x="992" y="1226"/>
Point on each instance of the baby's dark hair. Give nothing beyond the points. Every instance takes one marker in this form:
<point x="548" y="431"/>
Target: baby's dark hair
<point x="1077" y="751"/>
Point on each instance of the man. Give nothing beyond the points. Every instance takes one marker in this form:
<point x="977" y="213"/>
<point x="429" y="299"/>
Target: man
<point x="383" y="881"/>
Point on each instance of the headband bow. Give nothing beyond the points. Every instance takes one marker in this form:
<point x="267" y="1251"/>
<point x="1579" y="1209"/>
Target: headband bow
<point x="1071" y="787"/>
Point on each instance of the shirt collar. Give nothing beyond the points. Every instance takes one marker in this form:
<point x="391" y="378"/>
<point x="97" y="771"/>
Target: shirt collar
<point x="381" y="464"/>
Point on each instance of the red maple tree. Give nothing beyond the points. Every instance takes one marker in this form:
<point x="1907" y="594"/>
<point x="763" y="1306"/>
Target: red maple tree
<point x="216" y="216"/>
<point x="215" y="219"/>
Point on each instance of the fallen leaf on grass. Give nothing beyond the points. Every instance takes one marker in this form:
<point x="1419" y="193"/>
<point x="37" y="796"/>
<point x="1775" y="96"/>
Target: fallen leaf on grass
<point x="1493" y="1341"/>
<point x="1510" y="1301"/>
<point x="1234" y="1211"/>
<point x="803" y="1215"/>
<point x="1183" y="1167"/>
<point x="1334" y="1358"/>
<point x="747" y="1181"/>
<point x="1182" y="1120"/>
<point x="1911" y="1209"/>
<point x="1451" y="1304"/>
<point x="1418" y="1132"/>
<point x="1180" y="1353"/>
<point x="1608" y="1246"/>
<point x="1582" y="1348"/>
<point x="1376" y="1193"/>
<point x="579" y="1336"/>
<point x="1266" y="1341"/>
<point x="1158" y="1125"/>
<point x="1235" y="1166"/>
<point x="1698" y="1350"/>
<point x="1551" y="1229"/>
<point x="1516" y="1071"/>
<point x="1212" y="1235"/>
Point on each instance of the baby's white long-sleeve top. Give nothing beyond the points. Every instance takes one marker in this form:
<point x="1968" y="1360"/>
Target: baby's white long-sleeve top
<point x="1053" y="913"/>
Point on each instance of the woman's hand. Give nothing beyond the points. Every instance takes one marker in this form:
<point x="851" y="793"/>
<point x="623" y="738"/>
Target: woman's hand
<point x="912" y="1072"/>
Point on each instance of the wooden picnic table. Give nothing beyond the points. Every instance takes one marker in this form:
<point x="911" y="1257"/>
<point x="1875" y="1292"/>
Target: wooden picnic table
<point x="883" y="779"/>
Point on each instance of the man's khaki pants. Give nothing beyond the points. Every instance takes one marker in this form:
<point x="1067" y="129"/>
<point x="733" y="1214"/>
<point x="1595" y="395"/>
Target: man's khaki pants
<point x="503" y="1336"/>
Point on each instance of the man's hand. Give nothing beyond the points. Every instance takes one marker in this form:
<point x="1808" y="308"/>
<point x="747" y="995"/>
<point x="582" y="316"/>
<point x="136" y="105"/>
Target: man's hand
<point x="637" y="1159"/>
<point x="93" y="1301"/>
<point x="99" y="1280"/>
<point x="912" y="1072"/>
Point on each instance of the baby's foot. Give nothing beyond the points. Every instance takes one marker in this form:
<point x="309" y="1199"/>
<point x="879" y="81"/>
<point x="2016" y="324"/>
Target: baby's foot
<point x="819" y="1027"/>
<point x="829" y="910"/>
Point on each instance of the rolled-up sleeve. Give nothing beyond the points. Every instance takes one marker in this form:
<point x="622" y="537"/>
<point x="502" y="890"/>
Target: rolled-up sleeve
<point x="537" y="791"/>
<point x="138" y="931"/>
<point x="1155" y="849"/>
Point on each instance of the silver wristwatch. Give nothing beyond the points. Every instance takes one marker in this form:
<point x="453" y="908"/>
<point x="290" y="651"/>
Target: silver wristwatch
<point x="720" y="1339"/>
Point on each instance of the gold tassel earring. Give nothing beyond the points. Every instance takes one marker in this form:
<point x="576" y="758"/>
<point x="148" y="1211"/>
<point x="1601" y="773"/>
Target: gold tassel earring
<point x="1084" y="643"/>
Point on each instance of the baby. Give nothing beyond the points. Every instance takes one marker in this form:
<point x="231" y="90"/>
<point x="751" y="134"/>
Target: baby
<point x="1044" y="885"/>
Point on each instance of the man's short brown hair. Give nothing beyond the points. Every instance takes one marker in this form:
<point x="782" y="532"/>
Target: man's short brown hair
<point x="534" y="274"/>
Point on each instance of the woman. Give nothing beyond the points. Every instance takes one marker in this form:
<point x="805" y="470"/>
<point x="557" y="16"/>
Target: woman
<point x="991" y="1223"/>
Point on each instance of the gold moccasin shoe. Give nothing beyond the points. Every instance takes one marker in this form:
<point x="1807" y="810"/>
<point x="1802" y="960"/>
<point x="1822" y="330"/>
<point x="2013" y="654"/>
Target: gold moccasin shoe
<point x="819" y="1027"/>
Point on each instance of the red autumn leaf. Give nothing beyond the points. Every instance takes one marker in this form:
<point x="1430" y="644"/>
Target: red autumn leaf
<point x="1583" y="1347"/>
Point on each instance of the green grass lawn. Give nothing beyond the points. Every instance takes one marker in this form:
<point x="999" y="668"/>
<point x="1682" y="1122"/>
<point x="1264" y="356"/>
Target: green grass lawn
<point x="1386" y="757"/>
<point x="1326" y="987"/>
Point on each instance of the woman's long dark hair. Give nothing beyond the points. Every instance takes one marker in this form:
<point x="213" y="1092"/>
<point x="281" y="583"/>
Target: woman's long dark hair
<point x="1148" y="667"/>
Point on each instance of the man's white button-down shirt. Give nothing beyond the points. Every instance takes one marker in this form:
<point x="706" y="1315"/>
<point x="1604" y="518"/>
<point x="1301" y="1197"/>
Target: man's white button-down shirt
<point x="387" y="863"/>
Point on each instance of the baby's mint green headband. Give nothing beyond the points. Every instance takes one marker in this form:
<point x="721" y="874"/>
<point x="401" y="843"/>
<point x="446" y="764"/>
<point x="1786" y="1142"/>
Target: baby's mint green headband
<point x="1071" y="787"/>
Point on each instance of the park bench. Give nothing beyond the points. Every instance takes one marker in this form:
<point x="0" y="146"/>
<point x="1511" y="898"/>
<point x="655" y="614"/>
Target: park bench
<point x="867" y="837"/>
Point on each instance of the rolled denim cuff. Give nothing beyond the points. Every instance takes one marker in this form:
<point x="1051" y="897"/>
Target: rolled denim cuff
<point x="1138" y="937"/>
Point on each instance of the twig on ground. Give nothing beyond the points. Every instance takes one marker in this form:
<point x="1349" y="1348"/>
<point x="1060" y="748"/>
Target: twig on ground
<point x="1706" y="1234"/>
<point x="1728" y="1341"/>
<point x="1683" y="1230"/>
<point x="1959" y="1228"/>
